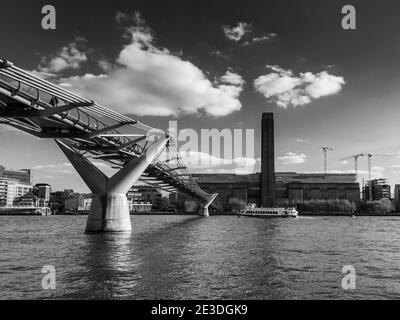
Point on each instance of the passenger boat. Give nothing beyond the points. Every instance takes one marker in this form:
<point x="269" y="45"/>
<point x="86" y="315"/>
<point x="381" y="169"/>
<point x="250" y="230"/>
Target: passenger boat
<point x="253" y="211"/>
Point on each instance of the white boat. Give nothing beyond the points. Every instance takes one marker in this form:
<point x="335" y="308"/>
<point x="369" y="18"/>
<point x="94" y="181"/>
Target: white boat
<point x="253" y="211"/>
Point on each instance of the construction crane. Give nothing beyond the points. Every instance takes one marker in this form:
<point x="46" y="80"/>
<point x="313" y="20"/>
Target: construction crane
<point x="325" y="149"/>
<point x="355" y="157"/>
<point x="370" y="155"/>
<point x="369" y="176"/>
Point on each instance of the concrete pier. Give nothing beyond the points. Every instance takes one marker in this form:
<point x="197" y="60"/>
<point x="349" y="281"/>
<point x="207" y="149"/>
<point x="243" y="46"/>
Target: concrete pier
<point x="203" y="206"/>
<point x="204" y="212"/>
<point x="110" y="211"/>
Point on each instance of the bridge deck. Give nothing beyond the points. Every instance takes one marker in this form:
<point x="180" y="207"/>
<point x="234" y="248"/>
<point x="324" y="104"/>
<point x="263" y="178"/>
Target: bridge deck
<point x="46" y="110"/>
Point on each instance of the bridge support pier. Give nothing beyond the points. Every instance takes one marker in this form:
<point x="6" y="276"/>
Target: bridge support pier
<point x="109" y="211"/>
<point x="204" y="212"/>
<point x="203" y="206"/>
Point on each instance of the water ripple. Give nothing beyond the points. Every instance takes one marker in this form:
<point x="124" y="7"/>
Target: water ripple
<point x="187" y="257"/>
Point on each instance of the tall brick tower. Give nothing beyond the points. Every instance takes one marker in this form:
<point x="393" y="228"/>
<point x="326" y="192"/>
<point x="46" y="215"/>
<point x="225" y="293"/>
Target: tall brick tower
<point x="267" y="160"/>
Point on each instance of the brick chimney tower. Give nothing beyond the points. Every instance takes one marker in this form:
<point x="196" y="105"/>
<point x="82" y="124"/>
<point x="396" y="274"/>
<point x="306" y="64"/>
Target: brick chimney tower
<point x="267" y="160"/>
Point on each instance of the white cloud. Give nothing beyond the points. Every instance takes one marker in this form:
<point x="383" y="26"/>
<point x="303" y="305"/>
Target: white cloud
<point x="232" y="78"/>
<point x="202" y="162"/>
<point x="377" y="172"/>
<point x="71" y="56"/>
<point x="378" y="169"/>
<point x="220" y="54"/>
<point x="244" y="165"/>
<point x="388" y="154"/>
<point x="105" y="65"/>
<point x="52" y="166"/>
<point x="292" y="158"/>
<point x="202" y="159"/>
<point x="59" y="168"/>
<point x="285" y="88"/>
<point x="68" y="169"/>
<point x="265" y="37"/>
<point x="244" y="162"/>
<point x="243" y="31"/>
<point x="150" y="80"/>
<point x="260" y="39"/>
<point x="121" y="17"/>
<point x="301" y="140"/>
<point x="237" y="33"/>
<point x="132" y="19"/>
<point x="67" y="82"/>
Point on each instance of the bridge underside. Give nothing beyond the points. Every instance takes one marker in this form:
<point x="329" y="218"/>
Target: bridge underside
<point x="88" y="133"/>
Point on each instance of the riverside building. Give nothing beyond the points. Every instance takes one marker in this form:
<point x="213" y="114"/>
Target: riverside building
<point x="269" y="188"/>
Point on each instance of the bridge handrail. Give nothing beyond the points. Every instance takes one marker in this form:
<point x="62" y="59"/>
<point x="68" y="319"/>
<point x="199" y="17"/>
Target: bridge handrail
<point x="8" y="70"/>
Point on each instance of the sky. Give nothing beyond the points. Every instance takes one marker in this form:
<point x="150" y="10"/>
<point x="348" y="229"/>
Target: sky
<point x="220" y="64"/>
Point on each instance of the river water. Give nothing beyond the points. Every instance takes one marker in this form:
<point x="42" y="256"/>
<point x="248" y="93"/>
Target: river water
<point x="189" y="257"/>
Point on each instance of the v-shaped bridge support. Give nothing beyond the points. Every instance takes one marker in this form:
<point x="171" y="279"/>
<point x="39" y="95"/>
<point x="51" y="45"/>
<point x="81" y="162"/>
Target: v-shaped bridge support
<point x="109" y="211"/>
<point x="203" y="206"/>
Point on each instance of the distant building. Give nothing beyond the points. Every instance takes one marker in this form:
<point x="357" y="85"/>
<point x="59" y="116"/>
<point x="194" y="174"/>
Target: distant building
<point x="269" y="188"/>
<point x="173" y="197"/>
<point x="397" y="197"/>
<point x="140" y="207"/>
<point x="245" y="187"/>
<point x="16" y="189"/>
<point x="29" y="199"/>
<point x="294" y="187"/>
<point x="143" y="198"/>
<point x="78" y="202"/>
<point x="11" y="189"/>
<point x="22" y="175"/>
<point x="3" y="192"/>
<point x="14" y="184"/>
<point x="379" y="190"/>
<point x="68" y="191"/>
<point x="28" y="196"/>
<point x="290" y="187"/>
<point x="85" y="204"/>
<point x="43" y="191"/>
<point x="58" y="198"/>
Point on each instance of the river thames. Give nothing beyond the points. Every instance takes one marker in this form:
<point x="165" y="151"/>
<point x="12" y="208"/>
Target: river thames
<point x="189" y="257"/>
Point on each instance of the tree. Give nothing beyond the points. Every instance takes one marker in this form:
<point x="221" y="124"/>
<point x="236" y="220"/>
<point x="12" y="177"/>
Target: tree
<point x="385" y="206"/>
<point x="342" y="206"/>
<point x="382" y="206"/>
<point x="236" y="204"/>
<point x="190" y="206"/>
<point x="72" y="204"/>
<point x="163" y="204"/>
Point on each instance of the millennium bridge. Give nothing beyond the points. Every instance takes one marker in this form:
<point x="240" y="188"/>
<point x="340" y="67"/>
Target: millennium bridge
<point x="88" y="133"/>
